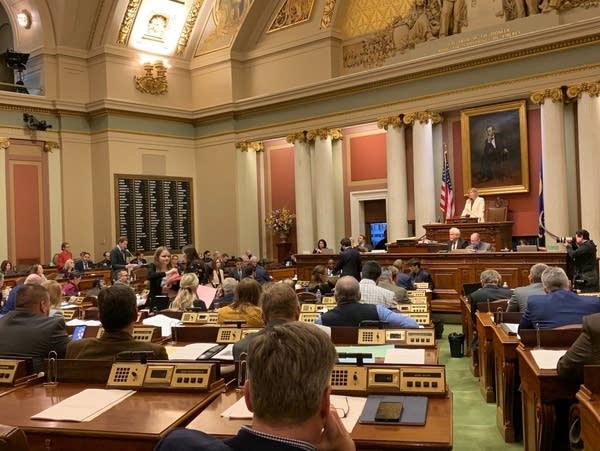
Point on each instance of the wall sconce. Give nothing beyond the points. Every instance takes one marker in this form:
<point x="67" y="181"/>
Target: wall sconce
<point x="24" y="19"/>
<point x="33" y="123"/>
<point x="154" y="80"/>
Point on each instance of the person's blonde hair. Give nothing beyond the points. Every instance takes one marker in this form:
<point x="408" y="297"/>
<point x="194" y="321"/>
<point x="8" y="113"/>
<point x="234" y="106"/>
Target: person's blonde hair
<point x="187" y="292"/>
<point x="55" y="292"/>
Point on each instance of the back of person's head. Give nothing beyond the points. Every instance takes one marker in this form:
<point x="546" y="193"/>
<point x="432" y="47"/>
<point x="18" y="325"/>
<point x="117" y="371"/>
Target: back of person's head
<point x="386" y="275"/>
<point x="289" y="282"/>
<point x="371" y="270"/>
<point x="536" y="271"/>
<point x="583" y="234"/>
<point x="490" y="277"/>
<point x="248" y="291"/>
<point x="248" y="271"/>
<point x="117" y="307"/>
<point x="54" y="291"/>
<point x="289" y="369"/>
<point x="347" y="289"/>
<point x="187" y="292"/>
<point x="30" y="296"/>
<point x="317" y="272"/>
<point x="554" y="278"/>
<point x="33" y="269"/>
<point x="228" y="285"/>
<point x="398" y="264"/>
<point x="33" y="279"/>
<point x="345" y="242"/>
<point x="279" y="301"/>
<point x="97" y="283"/>
<point x="393" y="271"/>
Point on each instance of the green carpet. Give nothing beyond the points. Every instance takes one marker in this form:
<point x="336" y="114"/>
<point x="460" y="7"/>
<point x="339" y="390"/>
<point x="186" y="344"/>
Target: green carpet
<point x="474" y="419"/>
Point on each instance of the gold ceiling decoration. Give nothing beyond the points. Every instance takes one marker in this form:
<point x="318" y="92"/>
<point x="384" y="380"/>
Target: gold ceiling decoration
<point x="366" y="16"/>
<point x="328" y="11"/>
<point x="149" y="83"/>
<point x="128" y="20"/>
<point x="538" y="97"/>
<point x="292" y="12"/>
<point x="4" y="142"/>
<point x="245" y="146"/>
<point x="49" y="146"/>
<point x="188" y="27"/>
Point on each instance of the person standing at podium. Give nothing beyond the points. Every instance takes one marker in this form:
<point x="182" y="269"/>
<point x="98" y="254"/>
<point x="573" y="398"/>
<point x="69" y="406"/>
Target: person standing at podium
<point x="474" y="206"/>
<point x="455" y="241"/>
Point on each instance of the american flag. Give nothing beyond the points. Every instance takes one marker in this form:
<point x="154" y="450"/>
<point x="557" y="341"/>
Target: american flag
<point x="447" y="194"/>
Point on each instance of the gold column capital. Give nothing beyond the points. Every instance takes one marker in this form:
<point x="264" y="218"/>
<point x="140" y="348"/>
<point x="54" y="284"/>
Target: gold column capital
<point x="394" y="121"/>
<point x="4" y="142"/>
<point x="245" y="146"/>
<point x="49" y="146"/>
<point x="539" y="97"/>
<point x="324" y="133"/>
<point x="423" y="117"/>
<point x="300" y="137"/>
<point x="592" y="88"/>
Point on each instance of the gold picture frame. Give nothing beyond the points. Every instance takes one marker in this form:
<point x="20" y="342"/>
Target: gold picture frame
<point x="494" y="148"/>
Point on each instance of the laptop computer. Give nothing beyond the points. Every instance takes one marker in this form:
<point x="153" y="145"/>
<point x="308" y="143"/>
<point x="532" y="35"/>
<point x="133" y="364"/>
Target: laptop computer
<point x="527" y="248"/>
<point x="469" y="288"/>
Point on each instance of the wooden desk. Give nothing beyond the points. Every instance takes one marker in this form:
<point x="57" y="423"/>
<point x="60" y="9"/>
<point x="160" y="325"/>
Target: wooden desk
<point x="137" y="423"/>
<point x="544" y="400"/>
<point x="508" y="396"/>
<point x="498" y="234"/>
<point x="435" y="435"/>
<point x="484" y="325"/>
<point x="451" y="270"/>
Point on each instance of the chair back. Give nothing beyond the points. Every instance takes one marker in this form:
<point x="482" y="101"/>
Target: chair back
<point x="493" y="306"/>
<point x="307" y="297"/>
<point x="497" y="212"/>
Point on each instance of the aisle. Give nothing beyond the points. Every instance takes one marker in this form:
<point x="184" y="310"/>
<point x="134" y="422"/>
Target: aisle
<point x="474" y="419"/>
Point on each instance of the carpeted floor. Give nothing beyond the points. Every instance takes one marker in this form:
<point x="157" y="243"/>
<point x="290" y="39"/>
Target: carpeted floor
<point x="474" y="419"/>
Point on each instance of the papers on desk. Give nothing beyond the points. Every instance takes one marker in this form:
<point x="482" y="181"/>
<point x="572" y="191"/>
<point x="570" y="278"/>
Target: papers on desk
<point x="546" y="359"/>
<point x="80" y="322"/>
<point x="510" y="328"/>
<point x="84" y="406"/>
<point x="164" y="322"/>
<point x="351" y="406"/>
<point x="206" y="294"/>
<point x="405" y="356"/>
<point x="195" y="350"/>
<point x="375" y="350"/>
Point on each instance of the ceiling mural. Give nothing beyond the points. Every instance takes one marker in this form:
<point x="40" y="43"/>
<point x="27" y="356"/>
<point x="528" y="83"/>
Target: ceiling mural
<point x="292" y="12"/>
<point x="222" y="25"/>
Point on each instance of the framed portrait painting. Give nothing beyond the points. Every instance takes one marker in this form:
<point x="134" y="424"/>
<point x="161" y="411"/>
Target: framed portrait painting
<point x="494" y="148"/>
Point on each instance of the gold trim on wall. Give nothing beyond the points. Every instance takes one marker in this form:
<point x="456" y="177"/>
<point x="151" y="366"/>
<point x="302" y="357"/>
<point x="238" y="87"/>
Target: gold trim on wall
<point x="4" y="142"/>
<point x="555" y="94"/>
<point x="423" y="117"/>
<point x="128" y="20"/>
<point x="327" y="16"/>
<point x="245" y="146"/>
<point x="188" y="27"/>
<point x="394" y="121"/>
<point x="592" y="88"/>
<point x="49" y="146"/>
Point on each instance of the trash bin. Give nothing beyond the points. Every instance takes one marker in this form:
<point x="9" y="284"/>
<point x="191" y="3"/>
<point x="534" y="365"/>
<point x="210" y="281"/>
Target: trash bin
<point x="457" y="344"/>
<point x="438" y="327"/>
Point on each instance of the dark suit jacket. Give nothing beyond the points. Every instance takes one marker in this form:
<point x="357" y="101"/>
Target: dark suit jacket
<point x="117" y="259"/>
<point x="518" y="300"/>
<point x="488" y="293"/>
<point x="559" y="308"/>
<point x="34" y="335"/>
<point x="460" y="245"/>
<point x="585" y="350"/>
<point x="245" y="440"/>
<point x="349" y="263"/>
<point x="79" y="265"/>
<point x="233" y="272"/>
<point x="109" y="345"/>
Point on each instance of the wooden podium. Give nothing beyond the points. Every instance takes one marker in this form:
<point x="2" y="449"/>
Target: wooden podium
<point x="498" y="234"/>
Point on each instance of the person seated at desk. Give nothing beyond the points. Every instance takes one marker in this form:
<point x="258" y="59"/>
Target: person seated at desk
<point x="105" y="262"/>
<point x="386" y="280"/>
<point x="370" y="293"/>
<point x="319" y="281"/>
<point x="419" y="275"/>
<point x="490" y="289"/>
<point x="288" y="393"/>
<point x="560" y="306"/>
<point x="350" y="312"/>
<point x="38" y="269"/>
<point x="139" y="259"/>
<point x="362" y="244"/>
<point x="55" y="294"/>
<point x="584" y="351"/>
<point x="518" y="300"/>
<point x="117" y="307"/>
<point x="474" y="206"/>
<point x="97" y="285"/>
<point x="85" y="262"/>
<point x="322" y="248"/>
<point x="186" y="296"/>
<point x="71" y="286"/>
<point x="9" y="305"/>
<point x="229" y="286"/>
<point x="245" y="305"/>
<point x="29" y="331"/>
<point x="7" y="268"/>
<point x="67" y="269"/>
<point x="455" y="241"/>
<point x="476" y="245"/>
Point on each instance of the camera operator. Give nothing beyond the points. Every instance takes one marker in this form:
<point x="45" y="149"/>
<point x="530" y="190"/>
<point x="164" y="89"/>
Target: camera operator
<point x="582" y="253"/>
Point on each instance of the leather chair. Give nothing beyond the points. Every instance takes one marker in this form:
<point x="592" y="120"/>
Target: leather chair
<point x="12" y="439"/>
<point x="497" y="212"/>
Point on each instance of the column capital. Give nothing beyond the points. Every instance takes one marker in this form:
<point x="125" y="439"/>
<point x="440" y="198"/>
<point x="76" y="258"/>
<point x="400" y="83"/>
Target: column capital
<point x="423" y="117"/>
<point x="49" y="146"/>
<point x="539" y="97"/>
<point x="245" y="146"/>
<point x="324" y="133"/>
<point x="299" y="137"/>
<point x="394" y="121"/>
<point x="592" y="88"/>
<point x="4" y="142"/>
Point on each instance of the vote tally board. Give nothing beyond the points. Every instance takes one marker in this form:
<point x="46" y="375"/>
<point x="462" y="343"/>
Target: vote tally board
<point x="154" y="211"/>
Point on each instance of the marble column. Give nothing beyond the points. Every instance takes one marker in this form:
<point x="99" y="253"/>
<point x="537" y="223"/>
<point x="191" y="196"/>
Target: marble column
<point x="324" y="182"/>
<point x="425" y="194"/>
<point x="554" y="161"/>
<point x="247" y="196"/>
<point x="588" y="133"/>
<point x="304" y="209"/>
<point x="397" y="190"/>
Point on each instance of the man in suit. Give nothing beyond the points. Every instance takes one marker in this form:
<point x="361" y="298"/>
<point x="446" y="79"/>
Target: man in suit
<point x="117" y="307"/>
<point x="238" y="272"/>
<point x="455" y="241"/>
<point x="362" y="244"/>
<point x="418" y="274"/>
<point x="85" y="263"/>
<point x="350" y="312"/>
<point x="29" y="331"/>
<point x="474" y="206"/>
<point x="560" y="306"/>
<point x="490" y="289"/>
<point x="518" y="300"/>
<point x="585" y="351"/>
<point x="583" y="254"/>
<point x="348" y="263"/>
<point x="260" y="272"/>
<point x="228" y="286"/>
<point x="118" y="258"/>
<point x="477" y="245"/>
<point x="288" y="393"/>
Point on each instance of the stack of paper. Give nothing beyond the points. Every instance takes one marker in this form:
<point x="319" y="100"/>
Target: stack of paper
<point x="546" y="359"/>
<point x="405" y="356"/>
<point x="164" y="322"/>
